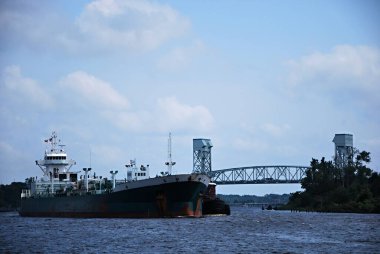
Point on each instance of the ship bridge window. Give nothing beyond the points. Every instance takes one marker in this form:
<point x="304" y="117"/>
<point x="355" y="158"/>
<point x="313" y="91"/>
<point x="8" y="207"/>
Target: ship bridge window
<point x="62" y="177"/>
<point x="73" y="177"/>
<point x="56" y="157"/>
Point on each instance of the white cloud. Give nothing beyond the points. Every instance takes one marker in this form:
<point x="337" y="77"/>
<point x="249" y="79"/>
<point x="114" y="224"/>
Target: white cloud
<point x="171" y="114"/>
<point x="168" y="114"/>
<point x="373" y="142"/>
<point x="135" y="24"/>
<point x="108" y="153"/>
<point x="345" y="65"/>
<point x="346" y="78"/>
<point x="8" y="150"/>
<point x="103" y="25"/>
<point x="9" y="155"/>
<point x="107" y="8"/>
<point x="23" y="90"/>
<point x="249" y="144"/>
<point x="264" y="148"/>
<point x="94" y="90"/>
<point x="275" y="130"/>
<point x="134" y="121"/>
<point x="34" y="25"/>
<point x="287" y="150"/>
<point x="180" y="57"/>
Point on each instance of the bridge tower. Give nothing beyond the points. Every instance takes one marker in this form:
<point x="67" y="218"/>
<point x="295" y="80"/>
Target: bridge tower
<point x="202" y="155"/>
<point x="344" y="150"/>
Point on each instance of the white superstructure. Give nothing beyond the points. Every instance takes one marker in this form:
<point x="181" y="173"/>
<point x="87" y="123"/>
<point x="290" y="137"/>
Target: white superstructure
<point x="55" y="166"/>
<point x="135" y="173"/>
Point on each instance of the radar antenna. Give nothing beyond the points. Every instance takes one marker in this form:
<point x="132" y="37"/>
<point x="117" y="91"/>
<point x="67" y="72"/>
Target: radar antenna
<point x="170" y="163"/>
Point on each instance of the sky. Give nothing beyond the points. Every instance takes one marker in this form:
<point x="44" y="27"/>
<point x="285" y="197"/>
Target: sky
<point x="269" y="82"/>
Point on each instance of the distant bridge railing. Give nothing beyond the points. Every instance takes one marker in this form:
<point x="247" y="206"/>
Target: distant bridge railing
<point x="259" y="175"/>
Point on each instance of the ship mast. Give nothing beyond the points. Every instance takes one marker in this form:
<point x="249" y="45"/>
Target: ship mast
<point x="170" y="163"/>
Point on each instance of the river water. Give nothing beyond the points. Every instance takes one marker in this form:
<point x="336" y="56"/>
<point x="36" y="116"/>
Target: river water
<point x="247" y="230"/>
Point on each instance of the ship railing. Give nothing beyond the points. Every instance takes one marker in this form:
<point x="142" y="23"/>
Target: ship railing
<point x="44" y="194"/>
<point x="121" y="181"/>
<point x="92" y="192"/>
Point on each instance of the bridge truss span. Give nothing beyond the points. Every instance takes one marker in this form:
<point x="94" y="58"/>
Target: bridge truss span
<point x="259" y="175"/>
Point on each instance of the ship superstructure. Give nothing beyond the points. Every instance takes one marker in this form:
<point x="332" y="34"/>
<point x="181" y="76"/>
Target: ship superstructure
<point x="135" y="173"/>
<point x="55" y="166"/>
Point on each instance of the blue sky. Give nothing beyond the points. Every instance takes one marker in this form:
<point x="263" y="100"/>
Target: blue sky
<point x="269" y="82"/>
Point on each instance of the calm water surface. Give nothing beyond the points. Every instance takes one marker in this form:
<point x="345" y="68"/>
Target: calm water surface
<point x="247" y="230"/>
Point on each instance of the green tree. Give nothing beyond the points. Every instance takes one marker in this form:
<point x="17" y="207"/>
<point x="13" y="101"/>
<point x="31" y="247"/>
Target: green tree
<point x="323" y="176"/>
<point x="354" y="188"/>
<point x="10" y="195"/>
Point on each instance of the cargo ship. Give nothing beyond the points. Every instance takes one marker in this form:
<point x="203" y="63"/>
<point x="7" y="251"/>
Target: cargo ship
<point x="61" y="193"/>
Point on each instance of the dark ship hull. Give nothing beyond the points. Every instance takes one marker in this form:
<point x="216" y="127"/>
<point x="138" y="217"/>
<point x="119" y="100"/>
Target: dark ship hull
<point x="169" y="196"/>
<point x="213" y="205"/>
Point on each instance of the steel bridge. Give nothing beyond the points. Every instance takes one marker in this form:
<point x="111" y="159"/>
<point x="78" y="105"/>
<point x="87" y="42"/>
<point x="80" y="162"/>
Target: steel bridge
<point x="259" y="175"/>
<point x="242" y="175"/>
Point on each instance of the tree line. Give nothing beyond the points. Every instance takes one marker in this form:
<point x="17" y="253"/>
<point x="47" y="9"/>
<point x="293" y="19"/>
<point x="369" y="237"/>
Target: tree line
<point x="328" y="188"/>
<point x="268" y="199"/>
<point x="10" y="196"/>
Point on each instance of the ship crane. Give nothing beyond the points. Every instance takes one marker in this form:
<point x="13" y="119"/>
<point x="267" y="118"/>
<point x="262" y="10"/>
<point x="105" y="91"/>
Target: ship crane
<point x="170" y="163"/>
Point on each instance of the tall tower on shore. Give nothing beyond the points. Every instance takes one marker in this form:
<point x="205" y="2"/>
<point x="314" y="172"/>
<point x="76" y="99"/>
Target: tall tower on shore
<point x="344" y="150"/>
<point x="202" y="155"/>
